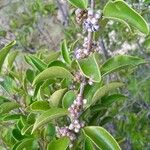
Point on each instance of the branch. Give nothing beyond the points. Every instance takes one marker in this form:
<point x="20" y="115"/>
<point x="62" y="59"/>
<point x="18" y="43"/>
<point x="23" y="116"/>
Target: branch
<point x="90" y="40"/>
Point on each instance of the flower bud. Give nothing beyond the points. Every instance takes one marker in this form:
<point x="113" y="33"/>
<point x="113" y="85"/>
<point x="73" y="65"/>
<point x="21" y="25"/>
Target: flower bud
<point x="71" y="127"/>
<point x="84" y="101"/>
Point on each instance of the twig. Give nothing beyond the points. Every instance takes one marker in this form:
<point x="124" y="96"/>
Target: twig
<point x="82" y="87"/>
<point x="90" y="39"/>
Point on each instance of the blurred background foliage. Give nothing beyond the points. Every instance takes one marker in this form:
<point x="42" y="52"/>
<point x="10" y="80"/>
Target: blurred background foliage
<point x="40" y="25"/>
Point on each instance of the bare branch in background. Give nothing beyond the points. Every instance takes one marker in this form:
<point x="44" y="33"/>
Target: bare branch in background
<point x="102" y="45"/>
<point x="5" y="5"/>
<point x="62" y="5"/>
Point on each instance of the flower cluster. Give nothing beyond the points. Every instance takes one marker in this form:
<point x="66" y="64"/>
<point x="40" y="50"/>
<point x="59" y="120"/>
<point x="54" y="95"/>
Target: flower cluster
<point x="80" y="15"/>
<point x="83" y="52"/>
<point x="75" y="110"/>
<point x="91" y="24"/>
<point x="78" y="77"/>
<point x="65" y="132"/>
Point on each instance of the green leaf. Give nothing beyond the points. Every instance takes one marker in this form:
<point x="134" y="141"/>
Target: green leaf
<point x="3" y="99"/>
<point x="88" y="144"/>
<point x="57" y="63"/>
<point x="36" y="62"/>
<point x="17" y="134"/>
<point x="56" y="97"/>
<point x="147" y="1"/>
<point x="39" y="106"/>
<point x="104" y="90"/>
<point x="52" y="57"/>
<point x="52" y="73"/>
<point x="11" y="117"/>
<point x="65" y="52"/>
<point x="11" y="58"/>
<point x="90" y="68"/>
<point x="97" y="113"/>
<point x="79" y="3"/>
<point x="121" y="10"/>
<point x="101" y="138"/>
<point x="50" y="130"/>
<point x="109" y="100"/>
<point x="68" y="99"/>
<point x="4" y="52"/>
<point x="20" y="123"/>
<point x="49" y="115"/>
<point x="30" y="75"/>
<point x="31" y="118"/>
<point x="8" y="106"/>
<point x="60" y="144"/>
<point x="89" y="91"/>
<point x="120" y="62"/>
<point x="26" y="129"/>
<point x="105" y="120"/>
<point x="26" y="144"/>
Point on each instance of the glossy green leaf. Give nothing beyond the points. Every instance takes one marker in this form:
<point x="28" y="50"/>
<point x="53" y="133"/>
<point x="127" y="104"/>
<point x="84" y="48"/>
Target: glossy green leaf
<point x="108" y="100"/>
<point x="8" y="106"/>
<point x="30" y="75"/>
<point x="26" y="129"/>
<point x="121" y="10"/>
<point x="49" y="115"/>
<point x="36" y="62"/>
<point x="60" y="144"/>
<point x="68" y="99"/>
<point x="88" y="144"/>
<point x="89" y="91"/>
<point x="57" y="63"/>
<point x="104" y="90"/>
<point x="56" y="97"/>
<point x="11" y="58"/>
<point x="50" y="130"/>
<point x="11" y="117"/>
<point x="26" y="144"/>
<point x="31" y="118"/>
<point x="52" y="73"/>
<point x="17" y="134"/>
<point x="120" y="62"/>
<point x="79" y="3"/>
<point x="101" y="138"/>
<point x="52" y="57"/>
<point x="90" y="68"/>
<point x="65" y="52"/>
<point x="20" y="123"/>
<point x="4" y="52"/>
<point x="40" y="106"/>
<point x="3" y="99"/>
